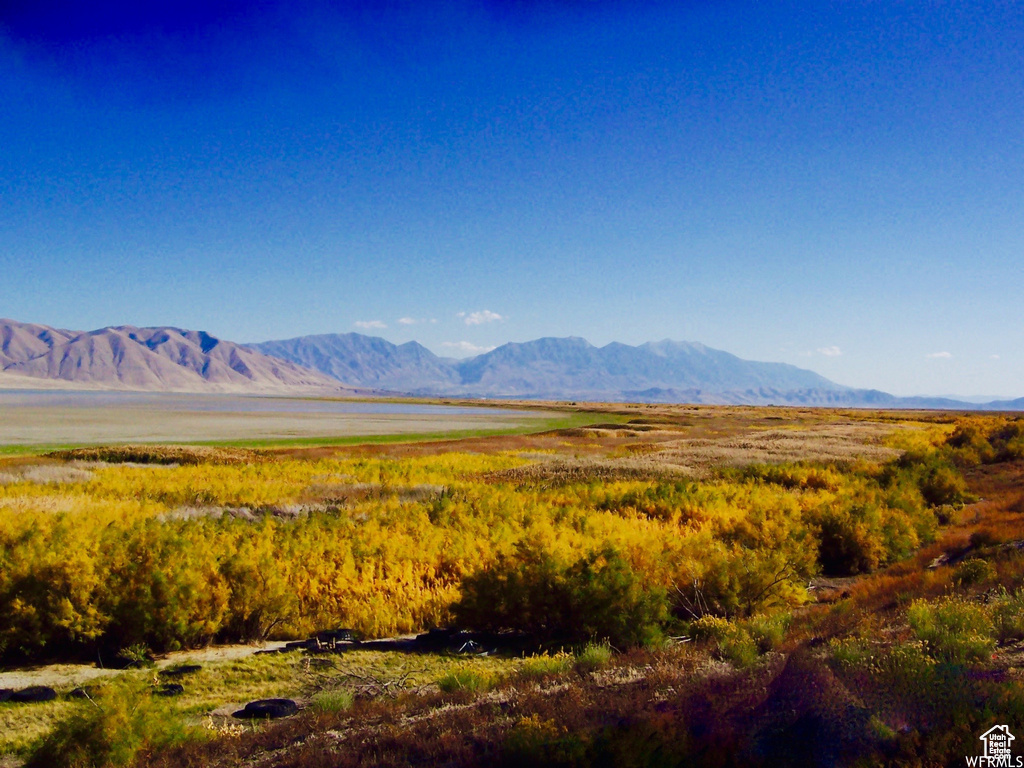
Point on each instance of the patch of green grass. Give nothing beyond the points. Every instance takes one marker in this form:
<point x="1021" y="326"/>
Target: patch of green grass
<point x="332" y="701"/>
<point x="465" y="680"/>
<point x="953" y="630"/>
<point x="137" y="656"/>
<point x="1007" y="613"/>
<point x="544" y="665"/>
<point x="731" y="640"/>
<point x="239" y="681"/>
<point x="593" y="657"/>
<point x="22" y="725"/>
<point x="295" y="675"/>
<point x="110" y="729"/>
<point x="35" y="449"/>
<point x="850" y="651"/>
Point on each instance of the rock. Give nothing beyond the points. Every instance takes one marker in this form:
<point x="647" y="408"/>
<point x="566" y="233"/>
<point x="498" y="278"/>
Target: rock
<point x="269" y="709"/>
<point x="331" y="637"/>
<point x="181" y="670"/>
<point x="442" y="639"/>
<point x="33" y="694"/>
<point x="84" y="692"/>
<point x="169" y="689"/>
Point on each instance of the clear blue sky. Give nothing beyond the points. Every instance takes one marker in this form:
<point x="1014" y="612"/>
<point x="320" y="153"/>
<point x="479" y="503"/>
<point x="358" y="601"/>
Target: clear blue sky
<point x="838" y="185"/>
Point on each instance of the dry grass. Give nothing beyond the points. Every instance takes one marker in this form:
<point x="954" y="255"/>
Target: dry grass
<point x="21" y="725"/>
<point x="45" y="474"/>
<point x="827" y="442"/>
<point x="666" y="453"/>
<point x="561" y="471"/>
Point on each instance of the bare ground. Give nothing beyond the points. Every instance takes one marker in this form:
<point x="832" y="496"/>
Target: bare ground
<point x="66" y="420"/>
<point x="72" y="675"/>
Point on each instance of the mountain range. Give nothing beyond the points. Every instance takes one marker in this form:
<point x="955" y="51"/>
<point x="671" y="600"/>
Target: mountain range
<point x="173" y="359"/>
<point x="574" y="369"/>
<point x="158" y="359"/>
<point x="550" y="368"/>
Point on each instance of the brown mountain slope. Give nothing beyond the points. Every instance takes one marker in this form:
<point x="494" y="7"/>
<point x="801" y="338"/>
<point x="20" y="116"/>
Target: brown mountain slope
<point x="23" y="341"/>
<point x="222" y="362"/>
<point x="168" y="359"/>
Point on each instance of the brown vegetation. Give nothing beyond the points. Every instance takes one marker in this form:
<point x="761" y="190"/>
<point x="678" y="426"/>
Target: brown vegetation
<point x="161" y="454"/>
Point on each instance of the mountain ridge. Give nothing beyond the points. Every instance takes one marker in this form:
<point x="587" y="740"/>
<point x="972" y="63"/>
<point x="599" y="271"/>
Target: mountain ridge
<point x="154" y="359"/>
<point x="166" y="358"/>
<point x="572" y="368"/>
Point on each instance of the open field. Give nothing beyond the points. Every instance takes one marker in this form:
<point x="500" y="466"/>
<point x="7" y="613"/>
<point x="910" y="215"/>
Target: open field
<point x="652" y="586"/>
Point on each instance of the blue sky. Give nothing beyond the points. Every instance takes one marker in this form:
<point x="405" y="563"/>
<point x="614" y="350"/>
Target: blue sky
<point x="837" y="185"/>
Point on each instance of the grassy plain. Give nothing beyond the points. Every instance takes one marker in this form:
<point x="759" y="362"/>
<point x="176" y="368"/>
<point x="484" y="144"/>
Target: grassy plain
<point x="750" y="581"/>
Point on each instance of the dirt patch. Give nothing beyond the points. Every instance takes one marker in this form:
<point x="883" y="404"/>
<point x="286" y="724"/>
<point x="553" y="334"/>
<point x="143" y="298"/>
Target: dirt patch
<point x="67" y="676"/>
<point x="62" y="419"/>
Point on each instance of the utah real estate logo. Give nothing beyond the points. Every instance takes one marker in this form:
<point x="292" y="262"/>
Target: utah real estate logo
<point x="998" y="750"/>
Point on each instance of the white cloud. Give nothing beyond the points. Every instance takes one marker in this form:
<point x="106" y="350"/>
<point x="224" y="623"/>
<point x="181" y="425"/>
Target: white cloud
<point x="479" y="318"/>
<point x="369" y="324"/>
<point x="994" y="357"/>
<point x="407" y="321"/>
<point x="466" y="347"/>
<point x="832" y="351"/>
<point x="943" y="355"/>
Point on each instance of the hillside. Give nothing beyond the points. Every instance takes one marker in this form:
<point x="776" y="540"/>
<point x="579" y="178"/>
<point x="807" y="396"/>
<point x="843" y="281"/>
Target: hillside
<point x="156" y="359"/>
<point x="367" y="361"/>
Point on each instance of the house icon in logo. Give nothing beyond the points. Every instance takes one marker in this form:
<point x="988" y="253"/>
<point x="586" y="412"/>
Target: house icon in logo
<point x="997" y="744"/>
